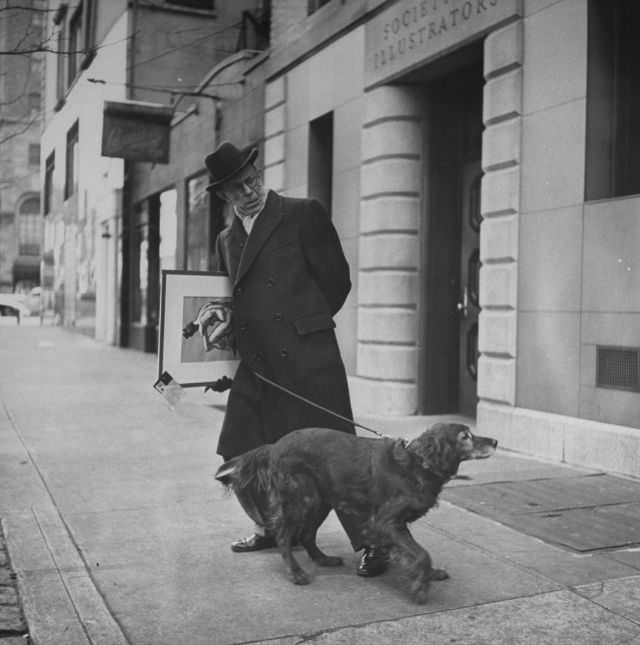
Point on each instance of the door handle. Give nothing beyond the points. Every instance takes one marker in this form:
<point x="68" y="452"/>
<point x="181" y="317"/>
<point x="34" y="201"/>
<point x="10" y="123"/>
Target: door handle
<point x="463" y="307"/>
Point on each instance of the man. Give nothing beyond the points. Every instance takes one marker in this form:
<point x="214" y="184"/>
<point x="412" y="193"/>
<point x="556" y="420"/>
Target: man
<point x="290" y="277"/>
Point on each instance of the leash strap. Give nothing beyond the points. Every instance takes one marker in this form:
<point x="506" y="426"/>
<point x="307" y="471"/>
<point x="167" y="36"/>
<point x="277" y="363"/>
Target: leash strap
<point x="315" y="405"/>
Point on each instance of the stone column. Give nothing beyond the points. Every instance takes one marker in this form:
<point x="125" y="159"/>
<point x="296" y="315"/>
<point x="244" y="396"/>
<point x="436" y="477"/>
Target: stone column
<point x="389" y="252"/>
<point x="500" y="207"/>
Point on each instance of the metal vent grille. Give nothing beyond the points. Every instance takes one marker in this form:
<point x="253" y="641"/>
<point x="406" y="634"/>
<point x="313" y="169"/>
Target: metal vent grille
<point x="618" y="368"/>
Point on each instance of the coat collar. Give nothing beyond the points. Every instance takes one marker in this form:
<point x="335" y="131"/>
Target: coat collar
<point x="264" y="225"/>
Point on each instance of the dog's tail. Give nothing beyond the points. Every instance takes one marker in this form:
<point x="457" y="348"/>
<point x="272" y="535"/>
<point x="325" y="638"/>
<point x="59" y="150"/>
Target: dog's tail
<point x="248" y="477"/>
<point x="249" y="470"/>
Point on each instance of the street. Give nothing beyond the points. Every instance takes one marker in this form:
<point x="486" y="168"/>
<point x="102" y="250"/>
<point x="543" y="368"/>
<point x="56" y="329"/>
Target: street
<point x="119" y="534"/>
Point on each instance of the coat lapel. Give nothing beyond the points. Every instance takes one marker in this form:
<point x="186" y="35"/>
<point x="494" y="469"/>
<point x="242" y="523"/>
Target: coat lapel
<point x="267" y="221"/>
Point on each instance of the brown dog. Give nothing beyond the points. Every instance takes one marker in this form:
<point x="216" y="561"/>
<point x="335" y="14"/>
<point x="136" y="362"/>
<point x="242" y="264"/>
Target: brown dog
<point x="385" y="484"/>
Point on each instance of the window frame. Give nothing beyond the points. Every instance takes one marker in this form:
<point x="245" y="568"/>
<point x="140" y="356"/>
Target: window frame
<point x="71" y="160"/>
<point x="49" y="169"/>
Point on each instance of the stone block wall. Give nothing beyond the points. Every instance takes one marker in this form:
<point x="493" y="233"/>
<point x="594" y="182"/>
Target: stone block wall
<point x="500" y="207"/>
<point x="390" y="213"/>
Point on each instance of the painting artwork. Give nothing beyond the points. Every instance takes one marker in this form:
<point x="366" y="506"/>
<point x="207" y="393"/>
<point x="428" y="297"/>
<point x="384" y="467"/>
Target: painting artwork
<point x="208" y="331"/>
<point x="196" y="328"/>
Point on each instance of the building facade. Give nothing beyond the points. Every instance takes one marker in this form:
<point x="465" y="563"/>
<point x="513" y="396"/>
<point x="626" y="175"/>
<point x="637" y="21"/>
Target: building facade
<point x="21" y="31"/>
<point x="478" y="158"/>
<point x="134" y="57"/>
<point x="174" y="219"/>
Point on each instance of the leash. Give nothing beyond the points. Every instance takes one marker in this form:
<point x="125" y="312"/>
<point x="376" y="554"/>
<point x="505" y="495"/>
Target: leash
<point x="315" y="405"/>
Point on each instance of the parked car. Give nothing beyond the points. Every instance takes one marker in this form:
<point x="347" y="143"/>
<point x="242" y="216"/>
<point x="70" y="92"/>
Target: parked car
<point x="12" y="305"/>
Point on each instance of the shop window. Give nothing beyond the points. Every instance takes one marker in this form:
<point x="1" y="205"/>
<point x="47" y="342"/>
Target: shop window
<point x="168" y="230"/>
<point x="613" y="100"/>
<point x="48" y="182"/>
<point x="140" y="264"/>
<point x="71" y="168"/>
<point x="320" y="169"/>
<point x="205" y="219"/>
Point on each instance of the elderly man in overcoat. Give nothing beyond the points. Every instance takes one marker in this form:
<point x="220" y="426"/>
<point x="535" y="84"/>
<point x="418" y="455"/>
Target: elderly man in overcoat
<point x="290" y="277"/>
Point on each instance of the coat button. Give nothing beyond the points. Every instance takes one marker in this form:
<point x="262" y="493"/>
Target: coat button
<point x="242" y="326"/>
<point x="255" y="357"/>
<point x="284" y="352"/>
<point x="238" y="290"/>
<point x="278" y="317"/>
<point x="270" y="282"/>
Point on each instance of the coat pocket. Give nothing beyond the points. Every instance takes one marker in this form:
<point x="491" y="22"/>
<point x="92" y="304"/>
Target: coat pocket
<point x="319" y="321"/>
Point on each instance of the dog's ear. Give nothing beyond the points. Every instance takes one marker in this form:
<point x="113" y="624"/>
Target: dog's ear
<point x="436" y="452"/>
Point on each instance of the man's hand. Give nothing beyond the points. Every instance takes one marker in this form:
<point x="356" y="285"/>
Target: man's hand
<point x="220" y="385"/>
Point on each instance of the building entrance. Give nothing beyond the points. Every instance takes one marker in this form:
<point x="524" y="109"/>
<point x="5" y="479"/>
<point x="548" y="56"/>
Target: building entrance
<point x="451" y="257"/>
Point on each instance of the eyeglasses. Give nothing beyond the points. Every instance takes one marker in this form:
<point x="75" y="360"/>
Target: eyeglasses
<point x="237" y="189"/>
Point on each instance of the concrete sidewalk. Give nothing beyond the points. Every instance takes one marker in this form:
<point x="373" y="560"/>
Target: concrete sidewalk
<point x="119" y="534"/>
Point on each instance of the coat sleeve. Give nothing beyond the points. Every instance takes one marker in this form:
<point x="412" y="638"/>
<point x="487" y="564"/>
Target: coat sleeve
<point x="324" y="255"/>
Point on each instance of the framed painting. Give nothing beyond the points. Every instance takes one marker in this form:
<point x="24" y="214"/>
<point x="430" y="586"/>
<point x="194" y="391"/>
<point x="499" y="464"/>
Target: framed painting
<point x="196" y="328"/>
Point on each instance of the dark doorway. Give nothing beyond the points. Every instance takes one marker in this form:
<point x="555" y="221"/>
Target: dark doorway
<point x="321" y="160"/>
<point x="451" y="263"/>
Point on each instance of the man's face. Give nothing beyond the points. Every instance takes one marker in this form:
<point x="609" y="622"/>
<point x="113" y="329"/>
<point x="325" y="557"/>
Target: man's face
<point x="245" y="192"/>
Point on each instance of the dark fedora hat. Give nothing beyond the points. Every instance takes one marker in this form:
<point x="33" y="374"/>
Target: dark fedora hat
<point x="226" y="161"/>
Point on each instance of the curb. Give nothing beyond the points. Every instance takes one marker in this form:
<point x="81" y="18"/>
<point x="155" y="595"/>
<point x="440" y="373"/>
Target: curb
<point x="13" y="627"/>
<point x="59" y="598"/>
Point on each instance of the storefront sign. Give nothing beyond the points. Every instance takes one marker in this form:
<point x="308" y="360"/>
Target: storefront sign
<point x="412" y="32"/>
<point x="136" y="131"/>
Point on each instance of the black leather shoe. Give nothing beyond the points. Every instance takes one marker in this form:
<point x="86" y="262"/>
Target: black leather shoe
<point x="373" y="562"/>
<point x="254" y="542"/>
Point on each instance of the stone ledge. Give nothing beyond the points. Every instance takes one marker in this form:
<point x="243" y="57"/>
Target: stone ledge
<point x="570" y="440"/>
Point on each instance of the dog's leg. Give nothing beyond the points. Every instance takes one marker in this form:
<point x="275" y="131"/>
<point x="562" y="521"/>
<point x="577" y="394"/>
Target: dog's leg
<point x="389" y="522"/>
<point x="287" y="523"/>
<point x="316" y="514"/>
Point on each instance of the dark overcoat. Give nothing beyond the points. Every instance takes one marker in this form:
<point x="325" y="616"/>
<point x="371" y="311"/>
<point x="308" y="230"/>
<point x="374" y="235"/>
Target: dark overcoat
<point x="289" y="278"/>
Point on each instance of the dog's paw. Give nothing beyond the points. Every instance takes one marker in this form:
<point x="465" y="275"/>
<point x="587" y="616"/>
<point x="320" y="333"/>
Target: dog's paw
<point x="439" y="574"/>
<point x="300" y="578"/>
<point x="420" y="594"/>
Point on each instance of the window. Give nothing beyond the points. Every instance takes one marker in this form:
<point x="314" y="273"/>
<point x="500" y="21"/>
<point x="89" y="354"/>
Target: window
<point x="206" y="5"/>
<point x="75" y="47"/>
<point x="29" y="227"/>
<point x="48" y="182"/>
<point x="34" y="101"/>
<point x="60" y="78"/>
<point x="71" y="179"/>
<point x="314" y="5"/>
<point x="613" y="100"/>
<point x="321" y="159"/>
<point x="34" y="154"/>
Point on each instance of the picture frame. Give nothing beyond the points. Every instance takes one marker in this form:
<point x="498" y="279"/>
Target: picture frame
<point x="196" y="344"/>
